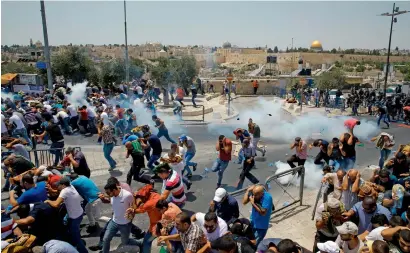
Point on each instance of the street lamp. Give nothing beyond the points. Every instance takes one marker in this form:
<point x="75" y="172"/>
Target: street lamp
<point x="46" y="47"/>
<point x="395" y="12"/>
<point x="229" y="78"/>
<point x="127" y="69"/>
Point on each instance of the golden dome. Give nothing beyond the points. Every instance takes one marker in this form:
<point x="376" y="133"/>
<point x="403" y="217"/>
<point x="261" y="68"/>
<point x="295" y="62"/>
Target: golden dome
<point x="316" y="44"/>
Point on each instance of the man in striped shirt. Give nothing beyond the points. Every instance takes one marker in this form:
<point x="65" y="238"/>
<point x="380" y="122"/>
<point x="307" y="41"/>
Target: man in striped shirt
<point x="172" y="184"/>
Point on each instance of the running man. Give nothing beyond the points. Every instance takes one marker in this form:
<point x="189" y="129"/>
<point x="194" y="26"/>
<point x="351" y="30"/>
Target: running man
<point x="189" y="143"/>
<point x="241" y="134"/>
<point x="162" y="129"/>
<point x="256" y="136"/>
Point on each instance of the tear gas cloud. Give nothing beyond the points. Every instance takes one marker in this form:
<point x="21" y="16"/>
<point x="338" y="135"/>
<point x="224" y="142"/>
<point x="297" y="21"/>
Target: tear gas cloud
<point x="5" y="95"/>
<point x="277" y="128"/>
<point x="313" y="175"/>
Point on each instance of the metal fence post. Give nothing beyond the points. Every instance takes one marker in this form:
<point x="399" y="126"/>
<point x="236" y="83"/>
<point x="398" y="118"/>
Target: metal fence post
<point x="203" y="113"/>
<point x="302" y="184"/>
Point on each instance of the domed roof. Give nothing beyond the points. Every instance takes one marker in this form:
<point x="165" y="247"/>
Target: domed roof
<point x="316" y="45"/>
<point x="226" y="45"/>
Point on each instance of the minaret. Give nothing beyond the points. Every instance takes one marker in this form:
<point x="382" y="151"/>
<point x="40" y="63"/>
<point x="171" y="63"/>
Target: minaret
<point x="31" y="42"/>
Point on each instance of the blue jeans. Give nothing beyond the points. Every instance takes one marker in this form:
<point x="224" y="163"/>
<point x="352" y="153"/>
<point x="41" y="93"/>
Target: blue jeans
<point x="146" y="242"/>
<point x="57" y="152"/>
<point x="259" y="234"/>
<point x="152" y="160"/>
<point x="74" y="231"/>
<point x="112" y="229"/>
<point x="384" y="154"/>
<point x="193" y="98"/>
<point x="66" y="125"/>
<point x="188" y="158"/>
<point x="219" y="167"/>
<point x="120" y="126"/>
<point x="22" y="133"/>
<point x="349" y="163"/>
<point x="337" y="164"/>
<point x="107" y="149"/>
<point x="317" y="102"/>
<point x="240" y="156"/>
<point x="384" y="117"/>
<point x="164" y="132"/>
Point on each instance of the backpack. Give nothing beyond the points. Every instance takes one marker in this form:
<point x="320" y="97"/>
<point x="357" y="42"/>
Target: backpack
<point x="136" y="147"/>
<point x="22" y="244"/>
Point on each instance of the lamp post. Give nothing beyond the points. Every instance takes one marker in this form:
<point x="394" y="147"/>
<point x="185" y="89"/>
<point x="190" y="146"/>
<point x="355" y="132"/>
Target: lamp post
<point x="127" y="68"/>
<point x="46" y="47"/>
<point x="229" y="77"/>
<point x="395" y="12"/>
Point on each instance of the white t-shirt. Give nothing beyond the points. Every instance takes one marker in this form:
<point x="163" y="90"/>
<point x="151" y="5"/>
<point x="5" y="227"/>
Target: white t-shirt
<point x="139" y="90"/>
<point x="48" y="107"/>
<point x="15" y="119"/>
<point x="72" y="201"/>
<point x="90" y="112"/>
<point x="376" y="234"/>
<point x="104" y="106"/>
<point x="219" y="231"/>
<point x="62" y="114"/>
<point x="72" y="110"/>
<point x="345" y="246"/>
<point x="105" y="119"/>
<point x="3" y="124"/>
<point x="120" y="204"/>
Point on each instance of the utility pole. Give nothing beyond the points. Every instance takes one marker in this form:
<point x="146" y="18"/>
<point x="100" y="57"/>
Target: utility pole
<point x="127" y="67"/>
<point x="395" y="12"/>
<point x="46" y="47"/>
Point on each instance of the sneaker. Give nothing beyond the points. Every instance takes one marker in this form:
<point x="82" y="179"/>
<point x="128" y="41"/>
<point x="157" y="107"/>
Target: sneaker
<point x="194" y="167"/>
<point x="139" y="235"/>
<point x="189" y="175"/>
<point x="92" y="229"/>
<point x="111" y="169"/>
<point x="95" y="248"/>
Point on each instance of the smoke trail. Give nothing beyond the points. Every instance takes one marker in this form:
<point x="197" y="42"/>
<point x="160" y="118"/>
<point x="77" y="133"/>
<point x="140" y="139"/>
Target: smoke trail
<point x="276" y="128"/>
<point x="5" y="95"/>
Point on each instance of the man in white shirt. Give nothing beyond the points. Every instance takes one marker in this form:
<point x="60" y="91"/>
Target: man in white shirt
<point x="4" y="131"/>
<point x="212" y="226"/>
<point x="105" y="119"/>
<point x="66" y="121"/>
<point x="91" y="118"/>
<point x="19" y="128"/>
<point x="72" y="110"/>
<point x="121" y="200"/>
<point x="72" y="201"/>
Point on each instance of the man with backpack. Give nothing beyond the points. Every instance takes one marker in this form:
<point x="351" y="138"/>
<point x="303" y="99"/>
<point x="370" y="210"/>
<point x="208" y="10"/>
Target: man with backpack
<point x="135" y="149"/>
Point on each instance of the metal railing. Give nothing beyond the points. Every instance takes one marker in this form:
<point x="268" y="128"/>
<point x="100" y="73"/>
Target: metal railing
<point x="321" y="193"/>
<point x="279" y="190"/>
<point x="46" y="156"/>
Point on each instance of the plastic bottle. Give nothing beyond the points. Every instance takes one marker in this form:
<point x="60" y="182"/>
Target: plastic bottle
<point x="286" y="204"/>
<point x="400" y="195"/>
<point x="205" y="173"/>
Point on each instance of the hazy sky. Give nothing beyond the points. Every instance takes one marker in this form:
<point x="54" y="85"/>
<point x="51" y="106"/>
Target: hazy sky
<point x="246" y="24"/>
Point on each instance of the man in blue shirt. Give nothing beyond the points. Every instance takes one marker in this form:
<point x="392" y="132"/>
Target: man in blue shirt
<point x="225" y="206"/>
<point x="262" y="207"/>
<point x="33" y="192"/>
<point x="89" y="191"/>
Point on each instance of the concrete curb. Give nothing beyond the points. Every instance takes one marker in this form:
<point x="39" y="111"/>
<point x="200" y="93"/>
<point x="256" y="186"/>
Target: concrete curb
<point x="231" y="117"/>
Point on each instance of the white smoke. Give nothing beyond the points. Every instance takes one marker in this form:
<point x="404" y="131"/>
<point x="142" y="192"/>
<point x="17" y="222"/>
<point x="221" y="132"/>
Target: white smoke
<point x="7" y="95"/>
<point x="268" y="116"/>
<point x="313" y="175"/>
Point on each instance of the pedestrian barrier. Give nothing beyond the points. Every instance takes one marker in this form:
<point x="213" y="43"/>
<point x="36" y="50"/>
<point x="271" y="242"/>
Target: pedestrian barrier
<point x="46" y="156"/>
<point x="284" y="194"/>
<point x="321" y="193"/>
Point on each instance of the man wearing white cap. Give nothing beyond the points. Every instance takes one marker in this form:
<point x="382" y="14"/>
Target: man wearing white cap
<point x="347" y="239"/>
<point x="225" y="206"/>
<point x="328" y="247"/>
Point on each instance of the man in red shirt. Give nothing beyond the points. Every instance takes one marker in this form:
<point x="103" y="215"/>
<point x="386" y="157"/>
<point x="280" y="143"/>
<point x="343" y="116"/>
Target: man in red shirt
<point x="83" y="118"/>
<point x="121" y="124"/>
<point x="406" y="111"/>
<point x="224" y="146"/>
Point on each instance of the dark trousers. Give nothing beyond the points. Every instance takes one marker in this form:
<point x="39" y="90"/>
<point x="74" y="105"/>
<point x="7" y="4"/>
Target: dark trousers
<point x="84" y="124"/>
<point x="56" y="149"/>
<point x="255" y="89"/>
<point x="135" y="171"/>
<point x="247" y="174"/>
<point x="294" y="159"/>
<point x="321" y="156"/>
<point x="74" y="123"/>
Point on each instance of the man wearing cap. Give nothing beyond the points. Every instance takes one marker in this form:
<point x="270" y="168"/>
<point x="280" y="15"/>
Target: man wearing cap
<point x="72" y="200"/>
<point x="348" y="240"/>
<point x="225" y="206"/>
<point x="189" y="143"/>
<point x="301" y="153"/>
<point x="78" y="161"/>
<point x="249" y="153"/>
<point x="328" y="216"/>
<point x="224" y="146"/>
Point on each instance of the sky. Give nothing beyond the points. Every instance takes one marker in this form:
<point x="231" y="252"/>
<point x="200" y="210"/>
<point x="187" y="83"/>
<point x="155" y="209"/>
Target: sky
<point x="245" y="24"/>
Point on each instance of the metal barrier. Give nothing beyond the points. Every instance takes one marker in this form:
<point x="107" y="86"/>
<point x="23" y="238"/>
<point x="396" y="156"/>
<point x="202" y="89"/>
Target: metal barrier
<point x="278" y="191"/>
<point x="46" y="156"/>
<point x="321" y="193"/>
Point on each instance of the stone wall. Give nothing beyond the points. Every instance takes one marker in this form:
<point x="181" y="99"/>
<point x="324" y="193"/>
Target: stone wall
<point x="245" y="87"/>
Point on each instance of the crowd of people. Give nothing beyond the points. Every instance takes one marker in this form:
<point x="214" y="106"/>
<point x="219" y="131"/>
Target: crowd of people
<point x="47" y="202"/>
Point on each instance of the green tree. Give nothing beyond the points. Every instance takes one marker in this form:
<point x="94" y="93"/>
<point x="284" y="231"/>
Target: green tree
<point x="94" y="75"/>
<point x="360" y="68"/>
<point x="112" y="72"/>
<point x="15" y="67"/>
<point x="331" y="80"/>
<point x="71" y="63"/>
<point x="338" y="64"/>
<point x="333" y="51"/>
<point x="275" y="49"/>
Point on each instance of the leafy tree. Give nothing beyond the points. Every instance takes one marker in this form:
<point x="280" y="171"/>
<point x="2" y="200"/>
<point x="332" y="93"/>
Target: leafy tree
<point x="270" y="50"/>
<point x="407" y="77"/>
<point x="275" y="49"/>
<point x="360" y="68"/>
<point x="338" y="64"/>
<point x="71" y="63"/>
<point x="331" y="80"/>
<point x="15" y="67"/>
<point x="397" y="49"/>
<point x="93" y="76"/>
<point x="333" y="51"/>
